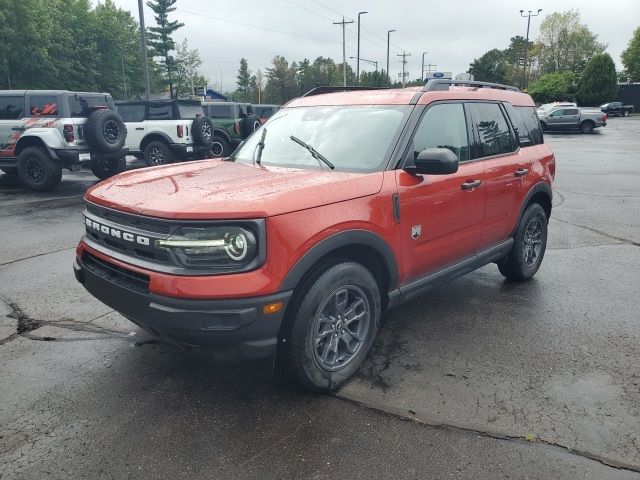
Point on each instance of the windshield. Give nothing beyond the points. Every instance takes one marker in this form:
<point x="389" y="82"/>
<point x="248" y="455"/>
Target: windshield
<point x="82" y="105"/>
<point x="353" y="138"/>
<point x="190" y="111"/>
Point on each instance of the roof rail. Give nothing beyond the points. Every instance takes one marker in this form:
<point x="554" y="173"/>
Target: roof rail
<point x="438" y="84"/>
<point x="328" y="89"/>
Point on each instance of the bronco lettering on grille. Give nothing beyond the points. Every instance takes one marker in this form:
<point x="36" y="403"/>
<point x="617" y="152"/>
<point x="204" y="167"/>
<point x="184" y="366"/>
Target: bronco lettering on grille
<point x="114" y="232"/>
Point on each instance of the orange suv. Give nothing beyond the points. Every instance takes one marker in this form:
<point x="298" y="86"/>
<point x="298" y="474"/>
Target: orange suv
<point x="343" y="205"/>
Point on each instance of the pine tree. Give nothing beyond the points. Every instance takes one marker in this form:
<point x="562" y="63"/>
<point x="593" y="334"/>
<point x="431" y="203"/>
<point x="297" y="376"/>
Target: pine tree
<point x="243" y="80"/>
<point x="598" y="83"/>
<point x="160" y="36"/>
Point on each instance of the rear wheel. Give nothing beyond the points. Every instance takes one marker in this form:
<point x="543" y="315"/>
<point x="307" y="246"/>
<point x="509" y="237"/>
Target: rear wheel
<point x="586" y="127"/>
<point x="530" y="243"/>
<point x="220" y="147"/>
<point x="105" y="167"/>
<point x="37" y="171"/>
<point x="157" y="153"/>
<point x="331" y="327"/>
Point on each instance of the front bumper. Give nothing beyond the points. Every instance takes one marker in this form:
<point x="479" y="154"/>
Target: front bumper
<point x="70" y="157"/>
<point x="236" y="331"/>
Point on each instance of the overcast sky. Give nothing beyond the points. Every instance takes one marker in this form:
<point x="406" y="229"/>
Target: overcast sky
<point x="453" y="32"/>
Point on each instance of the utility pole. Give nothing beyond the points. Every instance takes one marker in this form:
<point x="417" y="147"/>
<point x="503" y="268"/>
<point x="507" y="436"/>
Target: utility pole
<point x="344" y="50"/>
<point x="143" y="43"/>
<point x="358" y="54"/>
<point x="429" y="65"/>
<point x="422" y="71"/>
<point x="526" y="44"/>
<point x="404" y="63"/>
<point x="388" y="38"/>
<point x="124" y="79"/>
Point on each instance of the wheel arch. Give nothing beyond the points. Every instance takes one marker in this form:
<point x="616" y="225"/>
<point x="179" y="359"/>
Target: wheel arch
<point x="361" y="246"/>
<point x="542" y="194"/>
<point x="153" y="137"/>
<point x="26" y="141"/>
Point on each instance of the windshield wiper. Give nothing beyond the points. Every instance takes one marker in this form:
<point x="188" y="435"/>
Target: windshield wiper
<point x="260" y="147"/>
<point x="314" y="153"/>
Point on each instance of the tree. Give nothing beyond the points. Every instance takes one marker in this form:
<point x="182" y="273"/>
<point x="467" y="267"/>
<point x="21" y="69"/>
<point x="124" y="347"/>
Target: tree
<point x="280" y="81"/>
<point x="566" y="44"/>
<point x="243" y="80"/>
<point x="631" y="58"/>
<point x="554" y="87"/>
<point x="598" y="83"/>
<point x="490" y="67"/>
<point x="159" y="36"/>
<point x="188" y="63"/>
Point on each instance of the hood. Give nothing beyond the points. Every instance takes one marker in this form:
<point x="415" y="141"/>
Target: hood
<point x="212" y="189"/>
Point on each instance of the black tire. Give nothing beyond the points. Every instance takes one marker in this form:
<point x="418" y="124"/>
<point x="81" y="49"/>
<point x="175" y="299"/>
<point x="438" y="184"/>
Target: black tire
<point x="105" y="167"/>
<point x="12" y="171"/>
<point x="250" y="124"/>
<point x="202" y="131"/>
<point x="520" y="264"/>
<point x="543" y="126"/>
<point x="157" y="153"/>
<point x="220" y="147"/>
<point x="625" y="113"/>
<point x="37" y="171"/>
<point x="105" y="131"/>
<point x="587" y="127"/>
<point x="303" y="354"/>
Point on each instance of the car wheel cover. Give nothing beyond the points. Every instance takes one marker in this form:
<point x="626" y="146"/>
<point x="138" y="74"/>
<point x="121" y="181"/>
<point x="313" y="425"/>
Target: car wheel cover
<point x="532" y="242"/>
<point x="340" y="327"/>
<point x="111" y="131"/>
<point x="34" y="169"/>
<point x="217" y="149"/>
<point x="157" y="156"/>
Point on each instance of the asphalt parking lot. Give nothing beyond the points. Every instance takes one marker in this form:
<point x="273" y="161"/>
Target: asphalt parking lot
<point x="481" y="378"/>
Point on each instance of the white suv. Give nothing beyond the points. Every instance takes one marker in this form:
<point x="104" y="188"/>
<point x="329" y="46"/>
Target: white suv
<point x="164" y="131"/>
<point x="44" y="131"/>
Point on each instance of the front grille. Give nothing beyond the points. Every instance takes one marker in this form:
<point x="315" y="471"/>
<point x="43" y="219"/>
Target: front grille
<point x="127" y="220"/>
<point x="124" y="277"/>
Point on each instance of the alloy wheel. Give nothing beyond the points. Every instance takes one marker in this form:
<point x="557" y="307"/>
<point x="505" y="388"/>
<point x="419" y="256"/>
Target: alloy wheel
<point x="111" y="131"/>
<point x="532" y="241"/>
<point x="35" y="170"/>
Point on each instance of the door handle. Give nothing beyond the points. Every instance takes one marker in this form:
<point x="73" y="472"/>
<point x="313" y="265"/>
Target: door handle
<point x="521" y="172"/>
<point x="139" y="128"/>
<point x="470" y="184"/>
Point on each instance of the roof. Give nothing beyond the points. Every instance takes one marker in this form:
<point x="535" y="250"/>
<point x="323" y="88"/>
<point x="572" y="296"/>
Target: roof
<point x="48" y="92"/>
<point x="409" y="96"/>
<point x="160" y="101"/>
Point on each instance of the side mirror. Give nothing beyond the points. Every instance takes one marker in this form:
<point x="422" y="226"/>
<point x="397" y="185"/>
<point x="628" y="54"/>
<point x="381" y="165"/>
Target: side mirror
<point x="434" y="161"/>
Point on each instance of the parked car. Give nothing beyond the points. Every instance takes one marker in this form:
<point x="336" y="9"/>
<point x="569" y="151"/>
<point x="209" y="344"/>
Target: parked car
<point x="233" y="122"/>
<point x="345" y="205"/>
<point x="165" y="131"/>
<point x="572" y="118"/>
<point x="44" y="131"/>
<point x="544" y="108"/>
<point x="265" y="111"/>
<point x="616" y="109"/>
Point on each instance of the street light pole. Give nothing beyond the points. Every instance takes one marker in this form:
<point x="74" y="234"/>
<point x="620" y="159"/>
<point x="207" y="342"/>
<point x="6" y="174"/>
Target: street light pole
<point x="143" y="43"/>
<point x="526" y="43"/>
<point x="422" y="71"/>
<point x="358" y="54"/>
<point x="388" y="39"/>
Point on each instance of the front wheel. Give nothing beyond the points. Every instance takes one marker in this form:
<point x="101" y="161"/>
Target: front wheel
<point x="105" y="167"/>
<point x="331" y="327"/>
<point x="529" y="245"/>
<point x="157" y="153"/>
<point x="625" y="113"/>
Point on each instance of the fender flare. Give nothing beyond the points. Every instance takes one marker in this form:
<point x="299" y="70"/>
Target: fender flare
<point x="334" y="242"/>
<point x="540" y="187"/>
<point x="145" y="140"/>
<point x="51" y="138"/>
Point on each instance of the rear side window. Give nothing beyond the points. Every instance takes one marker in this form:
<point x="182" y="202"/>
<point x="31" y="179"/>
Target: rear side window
<point x="11" y="108"/>
<point x="81" y="106"/>
<point x="220" y="111"/>
<point x="492" y="130"/>
<point x="571" y="111"/>
<point x="131" y="113"/>
<point x="530" y="119"/>
<point x="442" y="126"/>
<point x="160" y="112"/>
<point x="43" y="106"/>
<point x="190" y="111"/>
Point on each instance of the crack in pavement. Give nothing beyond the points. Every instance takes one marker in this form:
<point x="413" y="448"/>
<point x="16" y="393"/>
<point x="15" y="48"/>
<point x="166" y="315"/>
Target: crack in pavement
<point x="600" y="232"/>
<point x="412" y="416"/>
<point x="596" y="194"/>
<point x="36" y="255"/>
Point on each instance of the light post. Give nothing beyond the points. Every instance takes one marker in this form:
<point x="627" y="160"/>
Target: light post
<point x="143" y="42"/>
<point x="526" y="43"/>
<point x="358" y="57"/>
<point x="422" y="71"/>
<point x="388" y="40"/>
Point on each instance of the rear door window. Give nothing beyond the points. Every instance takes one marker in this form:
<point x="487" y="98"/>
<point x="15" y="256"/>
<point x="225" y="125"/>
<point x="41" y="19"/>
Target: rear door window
<point x="132" y="113"/>
<point x="190" y="111"/>
<point x="220" y="111"/>
<point x="530" y="119"/>
<point x="571" y="111"/>
<point x="161" y="112"/>
<point x="11" y="108"/>
<point x="43" y="106"/>
<point x="492" y="130"/>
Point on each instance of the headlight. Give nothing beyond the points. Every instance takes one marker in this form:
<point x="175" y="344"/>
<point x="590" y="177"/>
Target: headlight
<point x="224" y="247"/>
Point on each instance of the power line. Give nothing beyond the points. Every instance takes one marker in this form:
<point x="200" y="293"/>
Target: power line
<point x="329" y="8"/>
<point x="272" y="30"/>
<point x="307" y="9"/>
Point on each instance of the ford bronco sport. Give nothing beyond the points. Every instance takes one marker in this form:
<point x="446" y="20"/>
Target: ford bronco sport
<point x="340" y="207"/>
<point x="233" y="122"/>
<point x="43" y="131"/>
<point x="165" y="131"/>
